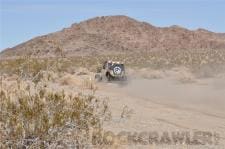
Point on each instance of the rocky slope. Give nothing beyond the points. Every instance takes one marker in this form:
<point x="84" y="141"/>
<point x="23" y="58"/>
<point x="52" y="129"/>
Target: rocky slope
<point x="102" y="35"/>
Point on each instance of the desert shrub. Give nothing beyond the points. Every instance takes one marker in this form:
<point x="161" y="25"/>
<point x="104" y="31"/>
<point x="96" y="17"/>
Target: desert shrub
<point x="156" y="59"/>
<point x="89" y="83"/>
<point x="47" y="119"/>
<point x="126" y="112"/>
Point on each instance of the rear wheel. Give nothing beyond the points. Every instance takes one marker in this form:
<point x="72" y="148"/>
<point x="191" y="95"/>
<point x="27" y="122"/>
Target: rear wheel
<point x="109" y="77"/>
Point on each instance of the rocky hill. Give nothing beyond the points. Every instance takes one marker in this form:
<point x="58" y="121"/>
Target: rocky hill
<point x="102" y="35"/>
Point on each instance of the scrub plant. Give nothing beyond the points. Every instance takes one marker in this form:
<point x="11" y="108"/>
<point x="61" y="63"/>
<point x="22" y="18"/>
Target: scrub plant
<point x="47" y="119"/>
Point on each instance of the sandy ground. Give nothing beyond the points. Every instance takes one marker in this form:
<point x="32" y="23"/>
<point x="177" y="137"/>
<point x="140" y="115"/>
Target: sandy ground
<point x="167" y="104"/>
<point x="161" y="102"/>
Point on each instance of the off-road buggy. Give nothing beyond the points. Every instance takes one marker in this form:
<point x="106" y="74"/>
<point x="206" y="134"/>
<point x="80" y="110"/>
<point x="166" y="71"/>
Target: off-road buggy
<point x="111" y="71"/>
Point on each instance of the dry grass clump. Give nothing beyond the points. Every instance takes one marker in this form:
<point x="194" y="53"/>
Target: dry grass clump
<point x="69" y="79"/>
<point x="30" y="67"/>
<point x="46" y="119"/>
<point x="84" y="82"/>
<point x="89" y="83"/>
<point x="127" y="112"/>
<point x="182" y="75"/>
<point x="82" y="71"/>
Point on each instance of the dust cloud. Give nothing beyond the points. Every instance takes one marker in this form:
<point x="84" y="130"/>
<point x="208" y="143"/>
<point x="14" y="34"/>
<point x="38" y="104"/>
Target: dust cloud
<point x="177" y="89"/>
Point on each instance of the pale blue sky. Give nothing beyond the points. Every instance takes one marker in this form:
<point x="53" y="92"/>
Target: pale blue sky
<point x="21" y="20"/>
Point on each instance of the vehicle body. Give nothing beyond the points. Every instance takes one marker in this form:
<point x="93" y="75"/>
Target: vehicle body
<point x="112" y="70"/>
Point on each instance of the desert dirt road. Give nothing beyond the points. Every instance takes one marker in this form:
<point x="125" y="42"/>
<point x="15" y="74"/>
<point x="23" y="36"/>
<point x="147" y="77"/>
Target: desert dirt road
<point x="166" y="104"/>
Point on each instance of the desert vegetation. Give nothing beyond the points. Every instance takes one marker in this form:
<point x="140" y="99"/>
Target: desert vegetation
<point x="51" y="102"/>
<point x="34" y="115"/>
<point x="48" y="119"/>
<point x="198" y="61"/>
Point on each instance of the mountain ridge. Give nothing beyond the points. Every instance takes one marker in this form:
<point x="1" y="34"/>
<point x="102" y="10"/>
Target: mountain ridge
<point x="106" y="34"/>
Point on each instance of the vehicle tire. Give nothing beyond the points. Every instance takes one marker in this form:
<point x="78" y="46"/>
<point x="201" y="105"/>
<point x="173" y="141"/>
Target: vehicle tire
<point x="109" y="77"/>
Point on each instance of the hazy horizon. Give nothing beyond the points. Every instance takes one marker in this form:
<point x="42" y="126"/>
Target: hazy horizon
<point x="24" y="20"/>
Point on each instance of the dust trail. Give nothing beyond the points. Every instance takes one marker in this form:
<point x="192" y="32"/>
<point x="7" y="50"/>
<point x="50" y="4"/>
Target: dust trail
<point x="205" y="95"/>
